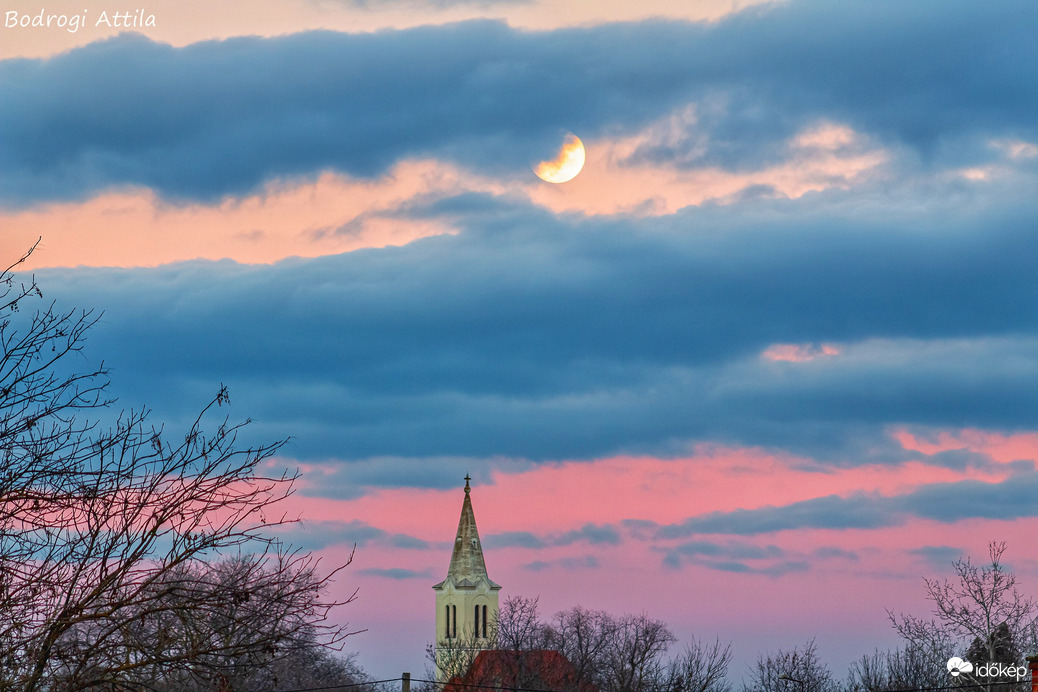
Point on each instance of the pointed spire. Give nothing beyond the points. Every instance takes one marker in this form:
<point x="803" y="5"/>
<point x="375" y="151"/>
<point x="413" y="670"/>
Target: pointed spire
<point x="467" y="565"/>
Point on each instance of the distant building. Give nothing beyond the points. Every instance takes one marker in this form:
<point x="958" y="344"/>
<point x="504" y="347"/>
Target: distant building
<point x="466" y="601"/>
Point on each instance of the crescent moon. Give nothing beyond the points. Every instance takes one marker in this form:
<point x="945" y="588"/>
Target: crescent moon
<point x="566" y="164"/>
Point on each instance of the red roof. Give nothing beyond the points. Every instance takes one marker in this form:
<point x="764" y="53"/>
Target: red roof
<point x="541" y="669"/>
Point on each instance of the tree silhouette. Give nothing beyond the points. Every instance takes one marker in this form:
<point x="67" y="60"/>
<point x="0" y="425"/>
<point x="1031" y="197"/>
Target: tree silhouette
<point x="108" y="533"/>
<point x="981" y="615"/>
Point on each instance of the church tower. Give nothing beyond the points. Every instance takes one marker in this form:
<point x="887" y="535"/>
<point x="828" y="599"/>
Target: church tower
<point x="466" y="601"/>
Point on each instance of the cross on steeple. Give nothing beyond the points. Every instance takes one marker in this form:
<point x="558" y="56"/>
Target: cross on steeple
<point x="467" y="479"/>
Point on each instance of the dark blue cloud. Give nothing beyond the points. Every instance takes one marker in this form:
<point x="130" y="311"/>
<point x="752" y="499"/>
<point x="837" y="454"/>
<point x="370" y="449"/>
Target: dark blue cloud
<point x="943" y="502"/>
<point x="591" y="533"/>
<point x="398" y="573"/>
<point x="858" y="511"/>
<point x="828" y="552"/>
<point x="938" y="556"/>
<point x="740" y="551"/>
<point x="743" y="558"/>
<point x="401" y="540"/>
<point x="949" y="502"/>
<point x="225" y="116"/>
<point x="316" y="535"/>
<point x="532" y="337"/>
<point x="938" y="78"/>
<point x="514" y="539"/>
<point x="775" y="570"/>
<point x="570" y="564"/>
<point x="345" y="481"/>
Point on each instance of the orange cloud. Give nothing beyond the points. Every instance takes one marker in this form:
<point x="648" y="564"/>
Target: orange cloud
<point x="613" y="182"/>
<point x="135" y="228"/>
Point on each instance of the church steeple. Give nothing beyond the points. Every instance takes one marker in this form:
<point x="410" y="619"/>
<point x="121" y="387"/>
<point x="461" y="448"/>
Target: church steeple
<point x="467" y="564"/>
<point x="466" y="601"/>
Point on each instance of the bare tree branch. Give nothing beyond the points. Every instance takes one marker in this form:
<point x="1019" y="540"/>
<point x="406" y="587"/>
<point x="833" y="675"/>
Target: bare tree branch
<point x="129" y="554"/>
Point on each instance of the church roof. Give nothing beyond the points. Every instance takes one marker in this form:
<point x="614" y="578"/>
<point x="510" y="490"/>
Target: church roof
<point x="467" y="567"/>
<point x="540" y="668"/>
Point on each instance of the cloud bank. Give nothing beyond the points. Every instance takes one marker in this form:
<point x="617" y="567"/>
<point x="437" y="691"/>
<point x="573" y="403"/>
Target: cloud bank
<point x="939" y="79"/>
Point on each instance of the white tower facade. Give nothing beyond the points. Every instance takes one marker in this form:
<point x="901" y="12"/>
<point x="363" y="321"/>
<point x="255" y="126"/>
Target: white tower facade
<point x="466" y="601"/>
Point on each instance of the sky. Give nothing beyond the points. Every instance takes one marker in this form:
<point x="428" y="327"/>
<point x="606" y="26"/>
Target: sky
<point x="765" y="363"/>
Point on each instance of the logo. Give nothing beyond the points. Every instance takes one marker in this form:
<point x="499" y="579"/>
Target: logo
<point x="956" y="665"/>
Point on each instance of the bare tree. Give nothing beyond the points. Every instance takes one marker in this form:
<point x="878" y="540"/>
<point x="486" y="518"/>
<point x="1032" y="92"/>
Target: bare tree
<point x="317" y="667"/>
<point x="616" y="654"/>
<point x="795" y="670"/>
<point x="521" y="634"/>
<point x="238" y="621"/>
<point x="109" y="530"/>
<point x="701" y="667"/>
<point x="634" y="661"/>
<point x="980" y="614"/>
<point x="912" y="667"/>
<point x="518" y="626"/>
<point x="584" y="637"/>
<point x="452" y="657"/>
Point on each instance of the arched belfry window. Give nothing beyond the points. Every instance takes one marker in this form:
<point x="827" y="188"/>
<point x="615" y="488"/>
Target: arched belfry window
<point x="447" y="622"/>
<point x="454" y="621"/>
<point x="484" y="621"/>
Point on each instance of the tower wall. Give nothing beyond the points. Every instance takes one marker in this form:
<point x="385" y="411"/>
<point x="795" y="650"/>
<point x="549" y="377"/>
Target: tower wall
<point x="463" y="602"/>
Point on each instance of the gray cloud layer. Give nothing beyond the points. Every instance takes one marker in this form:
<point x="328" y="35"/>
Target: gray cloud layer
<point x="531" y="337"/>
<point x="937" y="77"/>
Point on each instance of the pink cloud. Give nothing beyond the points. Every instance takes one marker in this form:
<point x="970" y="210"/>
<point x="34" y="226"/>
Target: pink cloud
<point x="1016" y="148"/>
<point x="799" y="353"/>
<point x="1000" y="447"/>
<point x="565" y="496"/>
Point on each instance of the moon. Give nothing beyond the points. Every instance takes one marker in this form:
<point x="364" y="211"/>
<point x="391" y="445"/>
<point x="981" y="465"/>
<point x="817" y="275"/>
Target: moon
<point x="566" y="164"/>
